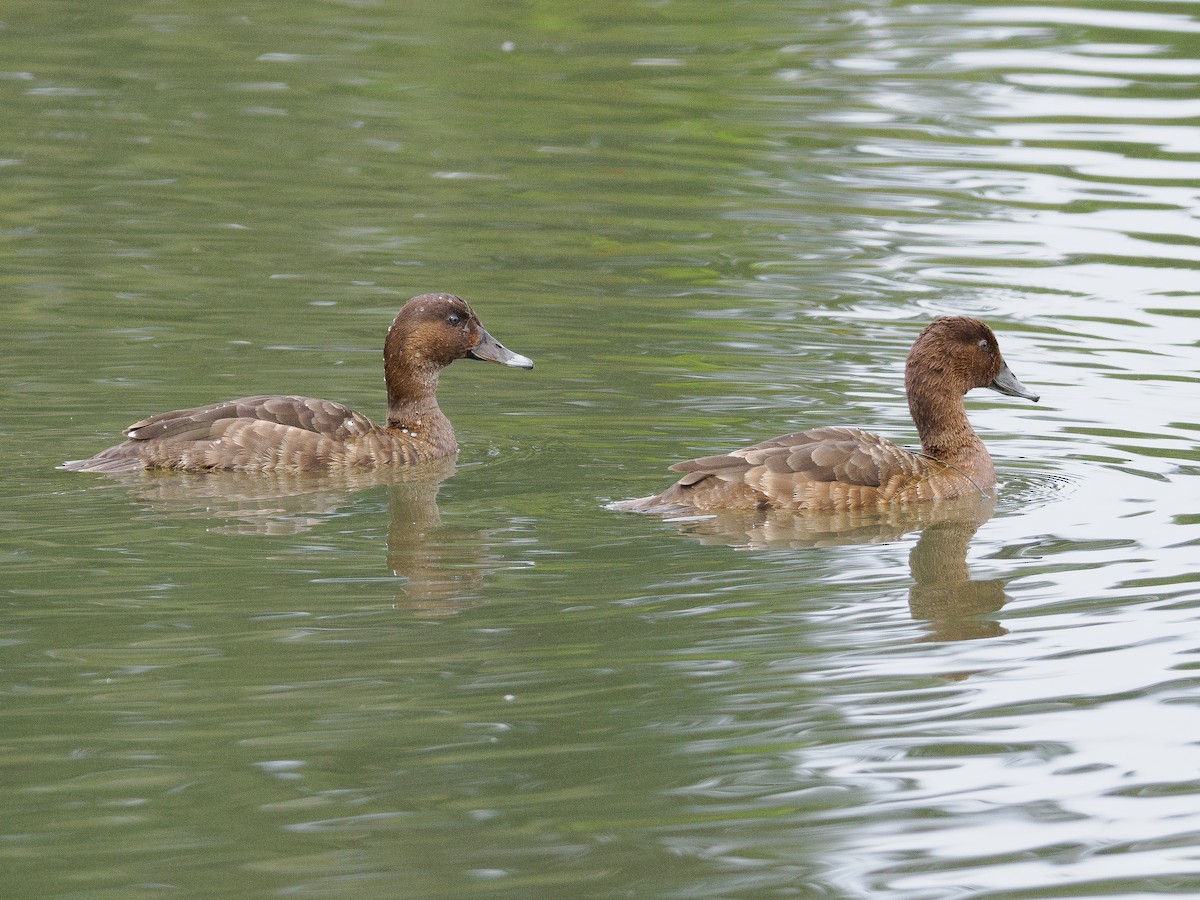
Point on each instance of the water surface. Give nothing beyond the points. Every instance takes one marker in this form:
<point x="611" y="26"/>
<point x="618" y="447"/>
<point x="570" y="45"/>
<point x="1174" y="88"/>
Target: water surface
<point x="708" y="224"/>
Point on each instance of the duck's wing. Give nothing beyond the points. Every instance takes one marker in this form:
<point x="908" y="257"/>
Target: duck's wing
<point x="825" y="468"/>
<point x="202" y="423"/>
<point x="261" y="433"/>
<point x="843" y="455"/>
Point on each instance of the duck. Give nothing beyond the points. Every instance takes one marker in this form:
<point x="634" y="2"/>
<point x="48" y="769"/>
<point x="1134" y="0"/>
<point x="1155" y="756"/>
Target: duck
<point x="296" y="434"/>
<point x="849" y="470"/>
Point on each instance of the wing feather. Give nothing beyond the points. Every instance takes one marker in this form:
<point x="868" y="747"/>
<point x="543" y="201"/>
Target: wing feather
<point x="254" y="433"/>
<point x="201" y="423"/>
<point x="825" y="468"/>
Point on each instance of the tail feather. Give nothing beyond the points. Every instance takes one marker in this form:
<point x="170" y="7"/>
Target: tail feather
<point x="655" y="504"/>
<point x="121" y="458"/>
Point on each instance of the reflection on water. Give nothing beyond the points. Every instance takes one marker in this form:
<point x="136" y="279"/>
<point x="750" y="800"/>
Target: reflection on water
<point x="440" y="564"/>
<point x="273" y="503"/>
<point x="943" y="595"/>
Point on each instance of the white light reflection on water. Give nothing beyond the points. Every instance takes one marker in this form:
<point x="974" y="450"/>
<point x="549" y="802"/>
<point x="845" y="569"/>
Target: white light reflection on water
<point x="1062" y="753"/>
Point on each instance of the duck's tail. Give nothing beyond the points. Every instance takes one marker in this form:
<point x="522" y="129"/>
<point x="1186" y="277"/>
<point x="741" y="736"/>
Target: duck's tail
<point x="655" y="505"/>
<point x="121" y="458"/>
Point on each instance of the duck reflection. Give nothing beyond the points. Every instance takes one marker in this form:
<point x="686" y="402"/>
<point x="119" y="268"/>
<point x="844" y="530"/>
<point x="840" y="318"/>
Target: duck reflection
<point x="441" y="563"/>
<point x="943" y="595"/>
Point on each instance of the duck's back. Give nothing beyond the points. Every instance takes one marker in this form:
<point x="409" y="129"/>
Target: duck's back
<point x="275" y="433"/>
<point x="823" y="469"/>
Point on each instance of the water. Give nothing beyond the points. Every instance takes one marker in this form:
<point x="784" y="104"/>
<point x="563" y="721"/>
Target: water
<point x="708" y="224"/>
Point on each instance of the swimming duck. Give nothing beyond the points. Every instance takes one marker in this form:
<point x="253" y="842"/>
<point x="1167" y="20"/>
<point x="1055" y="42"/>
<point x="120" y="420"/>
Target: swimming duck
<point x="847" y="469"/>
<point x="291" y="434"/>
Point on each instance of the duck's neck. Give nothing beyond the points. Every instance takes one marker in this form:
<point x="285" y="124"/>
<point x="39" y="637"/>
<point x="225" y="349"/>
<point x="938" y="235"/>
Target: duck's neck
<point x="946" y="434"/>
<point x="413" y="409"/>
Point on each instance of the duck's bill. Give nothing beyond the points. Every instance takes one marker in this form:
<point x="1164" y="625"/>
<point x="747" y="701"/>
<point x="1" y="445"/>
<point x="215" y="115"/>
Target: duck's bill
<point x="1008" y="383"/>
<point x="491" y="350"/>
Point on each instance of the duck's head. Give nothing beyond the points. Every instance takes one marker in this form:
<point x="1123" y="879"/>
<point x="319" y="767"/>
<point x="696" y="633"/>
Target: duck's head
<point x="433" y="330"/>
<point x="961" y="353"/>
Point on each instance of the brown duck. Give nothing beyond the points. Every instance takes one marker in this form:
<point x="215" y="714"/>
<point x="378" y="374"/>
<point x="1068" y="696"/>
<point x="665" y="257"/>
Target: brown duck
<point x="847" y="469"/>
<point x="293" y="434"/>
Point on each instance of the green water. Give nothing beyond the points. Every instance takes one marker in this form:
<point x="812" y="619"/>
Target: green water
<point x="708" y="224"/>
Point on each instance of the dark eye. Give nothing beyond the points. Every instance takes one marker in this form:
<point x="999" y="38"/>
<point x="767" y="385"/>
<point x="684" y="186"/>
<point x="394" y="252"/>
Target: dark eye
<point x="985" y="346"/>
<point x="453" y="319"/>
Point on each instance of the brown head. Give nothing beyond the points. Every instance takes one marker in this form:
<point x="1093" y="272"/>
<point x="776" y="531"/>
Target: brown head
<point x="950" y="357"/>
<point x="430" y="332"/>
<point x="961" y="353"/>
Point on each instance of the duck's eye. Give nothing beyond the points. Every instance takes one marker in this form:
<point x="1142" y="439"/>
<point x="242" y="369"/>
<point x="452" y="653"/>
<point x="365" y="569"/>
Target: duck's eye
<point x="453" y="319"/>
<point x="985" y="346"/>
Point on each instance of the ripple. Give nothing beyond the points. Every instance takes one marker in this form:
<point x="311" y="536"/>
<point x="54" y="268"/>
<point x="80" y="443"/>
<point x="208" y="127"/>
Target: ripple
<point x="1027" y="489"/>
